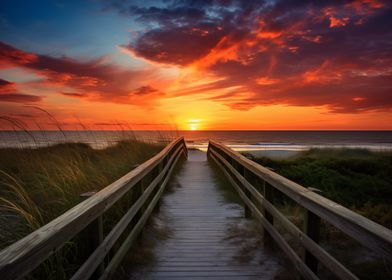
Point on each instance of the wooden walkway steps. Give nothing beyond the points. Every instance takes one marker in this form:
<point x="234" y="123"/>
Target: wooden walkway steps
<point x="201" y="222"/>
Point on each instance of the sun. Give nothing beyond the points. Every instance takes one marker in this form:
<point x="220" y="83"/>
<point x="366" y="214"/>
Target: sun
<point x="194" y="124"/>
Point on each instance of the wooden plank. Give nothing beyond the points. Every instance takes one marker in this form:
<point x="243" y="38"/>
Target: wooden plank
<point x="186" y="274"/>
<point x="312" y="229"/>
<point x="330" y="262"/>
<point x="115" y="261"/>
<point x="268" y="196"/>
<point x="23" y="256"/>
<point x="85" y="271"/>
<point x="214" y="277"/>
<point x="301" y="267"/>
<point x="188" y="268"/>
<point x="365" y="231"/>
<point x="95" y="237"/>
<point x="207" y="264"/>
<point x="200" y="241"/>
<point x="248" y="212"/>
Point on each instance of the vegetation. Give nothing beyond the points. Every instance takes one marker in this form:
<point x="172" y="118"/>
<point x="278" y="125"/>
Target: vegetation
<point x="356" y="178"/>
<point x="37" y="185"/>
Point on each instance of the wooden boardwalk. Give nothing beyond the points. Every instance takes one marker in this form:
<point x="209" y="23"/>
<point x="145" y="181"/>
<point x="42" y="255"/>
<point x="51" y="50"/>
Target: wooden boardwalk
<point x="203" y="242"/>
<point x="205" y="235"/>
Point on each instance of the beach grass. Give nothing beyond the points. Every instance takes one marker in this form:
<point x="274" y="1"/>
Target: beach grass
<point x="39" y="184"/>
<point x="355" y="178"/>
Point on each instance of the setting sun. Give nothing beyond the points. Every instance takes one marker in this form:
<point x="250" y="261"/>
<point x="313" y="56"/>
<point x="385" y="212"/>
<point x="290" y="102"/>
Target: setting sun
<point x="194" y="124"/>
<point x="188" y="102"/>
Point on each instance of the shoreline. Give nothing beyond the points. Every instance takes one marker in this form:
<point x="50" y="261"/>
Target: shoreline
<point x="284" y="151"/>
<point x="243" y="141"/>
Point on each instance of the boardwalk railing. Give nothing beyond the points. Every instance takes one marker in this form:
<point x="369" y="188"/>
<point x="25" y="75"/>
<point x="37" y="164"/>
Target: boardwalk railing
<point x="256" y="184"/>
<point x="147" y="181"/>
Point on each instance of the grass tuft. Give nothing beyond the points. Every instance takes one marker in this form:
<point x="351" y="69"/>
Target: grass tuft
<point x="356" y="178"/>
<point x="37" y="185"/>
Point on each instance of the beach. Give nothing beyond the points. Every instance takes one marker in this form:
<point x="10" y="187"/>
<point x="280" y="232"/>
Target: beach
<point x="276" y="144"/>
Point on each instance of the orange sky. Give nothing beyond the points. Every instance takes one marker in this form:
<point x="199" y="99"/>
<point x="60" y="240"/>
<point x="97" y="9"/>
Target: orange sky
<point x="326" y="66"/>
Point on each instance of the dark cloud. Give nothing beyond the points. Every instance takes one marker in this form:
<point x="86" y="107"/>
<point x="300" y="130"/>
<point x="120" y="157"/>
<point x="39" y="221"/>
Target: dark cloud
<point x="336" y="54"/>
<point x="176" y="16"/>
<point x="4" y="83"/>
<point x="73" y="94"/>
<point x="11" y="56"/>
<point x="9" y="93"/>
<point x="90" y="79"/>
<point x="111" y="123"/>
<point x="145" y="91"/>
<point x="180" y="45"/>
<point x="19" y="98"/>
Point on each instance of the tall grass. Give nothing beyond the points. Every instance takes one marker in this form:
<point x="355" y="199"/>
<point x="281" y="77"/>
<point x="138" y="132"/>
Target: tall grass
<point x="37" y="185"/>
<point x="358" y="179"/>
<point x="41" y="180"/>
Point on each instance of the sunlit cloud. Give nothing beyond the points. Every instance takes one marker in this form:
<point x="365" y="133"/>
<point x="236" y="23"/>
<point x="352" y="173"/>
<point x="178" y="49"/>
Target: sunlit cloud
<point x="228" y="57"/>
<point x="302" y="54"/>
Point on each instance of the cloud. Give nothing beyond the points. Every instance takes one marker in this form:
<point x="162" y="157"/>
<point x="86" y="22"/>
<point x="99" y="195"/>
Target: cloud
<point x="146" y="91"/>
<point x="178" y="45"/>
<point x="73" y="94"/>
<point x="333" y="54"/>
<point x="4" y="83"/>
<point x="8" y="93"/>
<point x="92" y="79"/>
<point x="19" y="98"/>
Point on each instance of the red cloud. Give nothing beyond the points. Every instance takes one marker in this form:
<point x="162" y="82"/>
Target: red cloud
<point x="309" y="53"/>
<point x="8" y="93"/>
<point x="10" y="56"/>
<point x="89" y="79"/>
<point x="19" y="98"/>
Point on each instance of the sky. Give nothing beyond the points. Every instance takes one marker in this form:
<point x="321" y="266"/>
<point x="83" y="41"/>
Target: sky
<point x="196" y="64"/>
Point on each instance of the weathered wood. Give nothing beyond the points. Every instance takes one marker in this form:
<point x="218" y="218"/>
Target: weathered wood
<point x="201" y="226"/>
<point x="269" y="196"/>
<point x="94" y="237"/>
<point x="368" y="233"/>
<point x="248" y="212"/>
<point x="23" y="256"/>
<point x="330" y="262"/>
<point x="312" y="229"/>
<point x="115" y="261"/>
<point x="99" y="254"/>
<point x="160" y="168"/>
<point x="299" y="264"/>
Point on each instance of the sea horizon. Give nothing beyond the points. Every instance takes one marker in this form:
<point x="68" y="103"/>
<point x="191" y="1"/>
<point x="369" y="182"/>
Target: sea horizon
<point x="240" y="140"/>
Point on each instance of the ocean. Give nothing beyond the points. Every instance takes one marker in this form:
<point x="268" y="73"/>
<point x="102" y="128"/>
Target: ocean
<point x="262" y="142"/>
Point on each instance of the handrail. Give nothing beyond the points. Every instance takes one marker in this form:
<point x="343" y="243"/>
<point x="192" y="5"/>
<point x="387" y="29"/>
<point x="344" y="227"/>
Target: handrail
<point x="241" y="171"/>
<point x="21" y="257"/>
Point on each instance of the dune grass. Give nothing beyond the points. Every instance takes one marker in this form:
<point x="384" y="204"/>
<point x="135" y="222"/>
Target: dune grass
<point x="48" y="170"/>
<point x="356" y="178"/>
<point x="37" y="185"/>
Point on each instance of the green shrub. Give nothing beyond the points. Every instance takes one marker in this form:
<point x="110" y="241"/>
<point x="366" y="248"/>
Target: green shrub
<point x="356" y="178"/>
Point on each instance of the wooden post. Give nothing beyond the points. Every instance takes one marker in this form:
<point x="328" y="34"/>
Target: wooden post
<point x="160" y="168"/>
<point x="269" y="196"/>
<point x="259" y="185"/>
<point x="248" y="212"/>
<point x="312" y="229"/>
<point x="140" y="190"/>
<point x="94" y="232"/>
